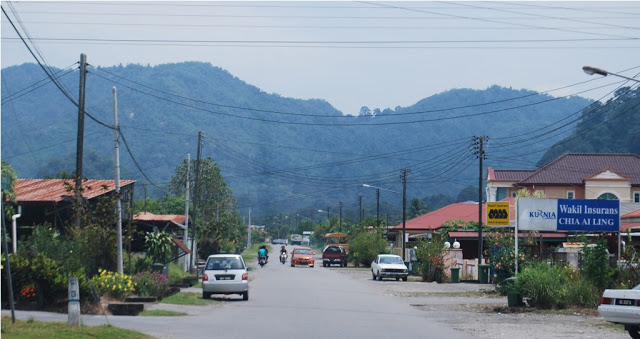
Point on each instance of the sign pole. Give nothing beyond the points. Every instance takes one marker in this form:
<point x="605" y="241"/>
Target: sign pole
<point x="516" y="235"/>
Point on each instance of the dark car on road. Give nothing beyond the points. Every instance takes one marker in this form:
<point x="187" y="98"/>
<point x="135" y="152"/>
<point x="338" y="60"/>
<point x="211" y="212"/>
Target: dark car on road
<point x="334" y="255"/>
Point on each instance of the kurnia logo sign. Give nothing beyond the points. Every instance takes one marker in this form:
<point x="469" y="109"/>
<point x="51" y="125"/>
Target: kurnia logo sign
<point x="568" y="215"/>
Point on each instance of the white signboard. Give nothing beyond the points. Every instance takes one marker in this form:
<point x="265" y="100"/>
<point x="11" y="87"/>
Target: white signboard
<point x="537" y="214"/>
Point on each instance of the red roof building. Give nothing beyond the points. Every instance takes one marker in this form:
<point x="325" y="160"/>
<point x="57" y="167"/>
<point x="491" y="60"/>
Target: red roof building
<point x="573" y="176"/>
<point x="51" y="200"/>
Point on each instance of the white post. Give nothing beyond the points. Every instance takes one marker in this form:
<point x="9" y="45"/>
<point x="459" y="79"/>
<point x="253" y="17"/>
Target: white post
<point x="187" y="257"/>
<point x="74" y="302"/>
<point x="14" y="227"/>
<point x="118" y="202"/>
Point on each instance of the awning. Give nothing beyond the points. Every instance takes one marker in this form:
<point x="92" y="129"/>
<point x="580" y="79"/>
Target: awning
<point x="181" y="245"/>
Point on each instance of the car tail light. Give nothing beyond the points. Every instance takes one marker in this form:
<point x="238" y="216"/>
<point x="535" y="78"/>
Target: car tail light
<point x="205" y="278"/>
<point x="638" y="303"/>
<point x="605" y="301"/>
<point x="245" y="276"/>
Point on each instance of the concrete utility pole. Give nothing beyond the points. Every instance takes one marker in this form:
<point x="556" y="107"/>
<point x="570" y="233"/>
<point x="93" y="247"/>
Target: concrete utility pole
<point x="404" y="213"/>
<point x="360" y="199"/>
<point x="249" y="230"/>
<point x="478" y="143"/>
<point x="186" y="216"/>
<point x="340" y="229"/>
<point x="195" y="201"/>
<point x="377" y="208"/>
<point x="80" y="140"/>
<point x="118" y="200"/>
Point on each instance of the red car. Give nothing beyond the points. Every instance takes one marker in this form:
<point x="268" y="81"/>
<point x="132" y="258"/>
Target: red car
<point x="302" y="256"/>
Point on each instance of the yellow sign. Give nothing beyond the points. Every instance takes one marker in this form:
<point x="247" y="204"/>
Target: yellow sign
<point x="498" y="213"/>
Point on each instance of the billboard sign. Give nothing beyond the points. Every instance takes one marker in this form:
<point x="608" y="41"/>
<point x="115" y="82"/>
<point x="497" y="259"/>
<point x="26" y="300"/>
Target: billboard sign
<point x="568" y="215"/>
<point x="498" y="213"/>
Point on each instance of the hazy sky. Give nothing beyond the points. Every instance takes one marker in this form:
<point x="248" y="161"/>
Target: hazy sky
<point x="352" y="54"/>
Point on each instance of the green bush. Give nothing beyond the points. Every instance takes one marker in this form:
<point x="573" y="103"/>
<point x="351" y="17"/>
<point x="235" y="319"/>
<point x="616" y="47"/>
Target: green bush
<point x="594" y="261"/>
<point x="176" y="274"/>
<point x="42" y="280"/>
<point x="138" y="263"/>
<point x="365" y="247"/>
<point x="431" y="255"/>
<point x="151" y="284"/>
<point x="556" y="287"/>
<point x="544" y="286"/>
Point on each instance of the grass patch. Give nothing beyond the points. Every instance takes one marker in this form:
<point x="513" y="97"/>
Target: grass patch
<point x="198" y="285"/>
<point x="161" y="313"/>
<point x="40" y="329"/>
<point x="187" y="298"/>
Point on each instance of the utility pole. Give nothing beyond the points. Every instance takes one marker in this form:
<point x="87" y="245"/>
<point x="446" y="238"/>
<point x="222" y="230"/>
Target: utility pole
<point x="340" y="229"/>
<point x="118" y="200"/>
<point x="144" y="188"/>
<point x="360" y="199"/>
<point x="195" y="201"/>
<point x="404" y="212"/>
<point x="478" y="144"/>
<point x="377" y="208"/>
<point x="249" y="230"/>
<point x="329" y="216"/>
<point x="80" y="140"/>
<point x="186" y="216"/>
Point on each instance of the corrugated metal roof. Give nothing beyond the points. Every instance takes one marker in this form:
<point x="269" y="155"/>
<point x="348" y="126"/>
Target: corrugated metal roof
<point x="148" y="216"/>
<point x="56" y="190"/>
<point x="572" y="169"/>
<point x="474" y="234"/>
<point x="624" y="226"/>
<point x="634" y="214"/>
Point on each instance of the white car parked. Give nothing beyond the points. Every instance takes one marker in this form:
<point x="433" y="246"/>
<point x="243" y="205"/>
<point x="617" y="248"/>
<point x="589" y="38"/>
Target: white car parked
<point x="389" y="266"/>
<point x="622" y="307"/>
<point x="225" y="274"/>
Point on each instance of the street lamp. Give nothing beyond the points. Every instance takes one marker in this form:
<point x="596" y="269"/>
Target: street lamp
<point x="593" y="70"/>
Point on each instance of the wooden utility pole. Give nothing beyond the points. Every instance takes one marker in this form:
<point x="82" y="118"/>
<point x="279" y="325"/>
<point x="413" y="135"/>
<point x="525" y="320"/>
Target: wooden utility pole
<point x="118" y="199"/>
<point x="80" y="140"/>
<point x="478" y="144"/>
<point x="404" y="213"/>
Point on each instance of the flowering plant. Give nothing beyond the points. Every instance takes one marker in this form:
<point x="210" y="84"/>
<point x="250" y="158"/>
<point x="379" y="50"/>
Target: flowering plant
<point x="431" y="257"/>
<point x="28" y="293"/>
<point x="114" y="284"/>
<point x="151" y="283"/>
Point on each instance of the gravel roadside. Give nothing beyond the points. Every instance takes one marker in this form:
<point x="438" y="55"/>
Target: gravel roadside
<point x="475" y="309"/>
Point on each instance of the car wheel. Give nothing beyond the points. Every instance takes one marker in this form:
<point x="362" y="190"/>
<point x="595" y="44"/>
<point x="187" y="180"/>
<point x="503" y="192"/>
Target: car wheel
<point x="292" y="265"/>
<point x="404" y="279"/>
<point x="311" y="266"/>
<point x="373" y="275"/>
<point x="634" y="332"/>
<point x="397" y="279"/>
<point x="245" y="295"/>
<point x="379" y="276"/>
<point x="206" y="295"/>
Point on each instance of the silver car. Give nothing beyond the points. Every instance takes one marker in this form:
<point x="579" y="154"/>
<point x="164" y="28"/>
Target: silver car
<point x="225" y="274"/>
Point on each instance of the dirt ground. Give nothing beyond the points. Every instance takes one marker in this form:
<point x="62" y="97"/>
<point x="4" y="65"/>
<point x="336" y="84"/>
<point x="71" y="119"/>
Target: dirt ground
<point x="478" y="310"/>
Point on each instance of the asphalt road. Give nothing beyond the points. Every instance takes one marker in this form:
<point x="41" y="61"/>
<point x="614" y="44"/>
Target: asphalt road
<point x="287" y="302"/>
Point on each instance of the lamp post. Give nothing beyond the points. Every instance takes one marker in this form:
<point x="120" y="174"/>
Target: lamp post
<point x="594" y="70"/>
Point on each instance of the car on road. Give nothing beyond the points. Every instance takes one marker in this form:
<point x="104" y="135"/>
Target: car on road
<point x="225" y="274"/>
<point x="389" y="266"/>
<point x="334" y="255"/>
<point x="296" y="239"/>
<point x="303" y="256"/>
<point x="622" y="307"/>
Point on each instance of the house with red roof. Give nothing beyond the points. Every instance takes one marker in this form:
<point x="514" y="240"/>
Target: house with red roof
<point x="51" y="200"/>
<point x="573" y="176"/>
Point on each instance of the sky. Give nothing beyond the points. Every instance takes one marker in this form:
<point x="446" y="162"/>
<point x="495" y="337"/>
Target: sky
<point x="351" y="54"/>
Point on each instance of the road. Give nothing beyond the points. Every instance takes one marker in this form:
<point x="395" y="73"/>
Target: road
<point x="287" y="302"/>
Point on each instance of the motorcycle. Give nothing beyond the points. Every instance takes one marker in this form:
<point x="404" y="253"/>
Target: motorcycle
<point x="262" y="261"/>
<point x="283" y="257"/>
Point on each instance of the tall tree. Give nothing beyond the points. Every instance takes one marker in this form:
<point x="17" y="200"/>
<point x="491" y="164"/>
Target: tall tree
<point x="417" y="208"/>
<point x="219" y="228"/>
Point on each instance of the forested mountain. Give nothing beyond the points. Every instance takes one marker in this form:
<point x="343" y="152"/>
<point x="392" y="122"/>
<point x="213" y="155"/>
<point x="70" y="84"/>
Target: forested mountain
<point x="611" y="127"/>
<point x="276" y="153"/>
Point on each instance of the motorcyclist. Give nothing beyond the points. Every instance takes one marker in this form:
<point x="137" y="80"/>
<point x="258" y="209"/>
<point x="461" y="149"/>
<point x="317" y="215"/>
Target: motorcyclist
<point x="283" y="250"/>
<point x="262" y="252"/>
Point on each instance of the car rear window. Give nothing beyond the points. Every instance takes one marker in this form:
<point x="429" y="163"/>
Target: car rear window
<point x="332" y="249"/>
<point x="224" y="263"/>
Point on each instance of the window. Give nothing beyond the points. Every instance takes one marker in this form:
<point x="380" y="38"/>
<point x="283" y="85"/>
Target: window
<point x="636" y="197"/>
<point x="607" y="196"/>
<point x="514" y="194"/>
<point x="571" y="194"/>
